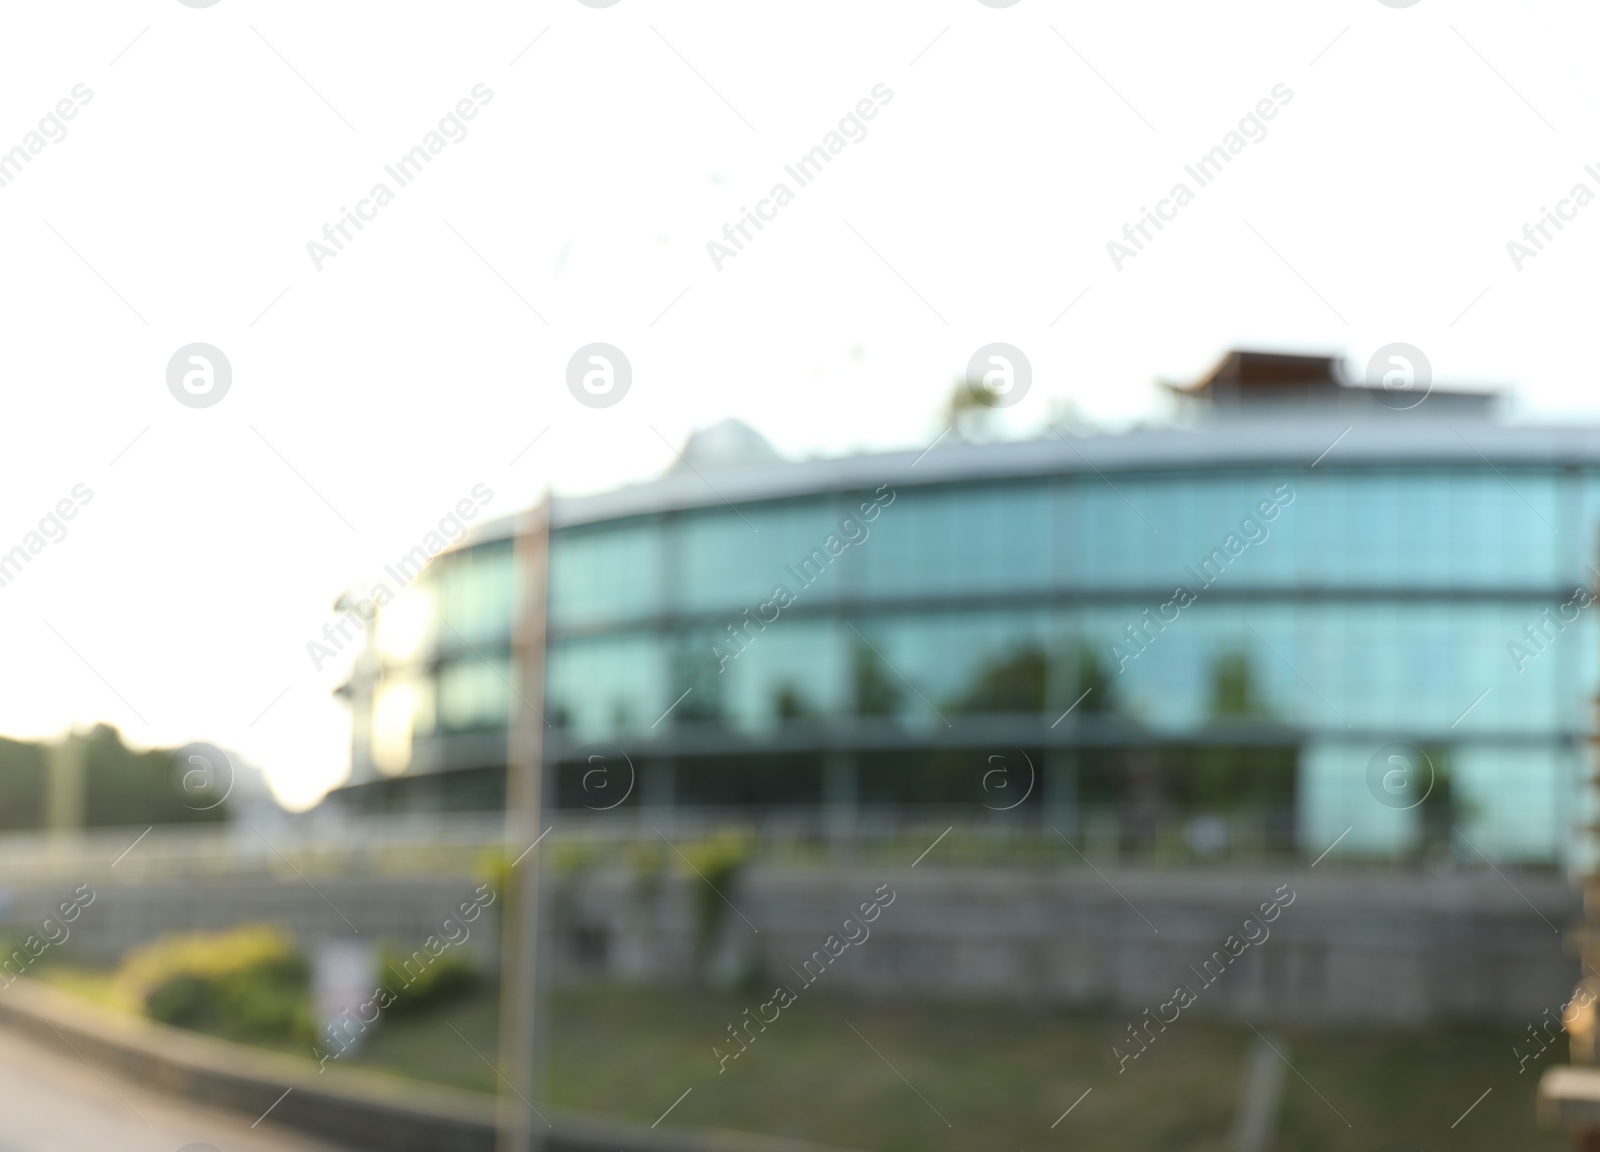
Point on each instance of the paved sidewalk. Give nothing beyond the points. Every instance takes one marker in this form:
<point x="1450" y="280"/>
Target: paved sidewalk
<point x="53" y="1103"/>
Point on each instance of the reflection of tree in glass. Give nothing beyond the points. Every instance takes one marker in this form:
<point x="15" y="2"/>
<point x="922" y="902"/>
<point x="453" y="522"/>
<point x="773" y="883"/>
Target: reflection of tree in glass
<point x="1012" y="683"/>
<point x="1232" y="691"/>
<point x="1441" y="807"/>
<point x="621" y="715"/>
<point x="878" y="690"/>
<point x="788" y="704"/>
<point x="1240" y="777"/>
<point x="694" y="669"/>
<point x="1087" y="674"/>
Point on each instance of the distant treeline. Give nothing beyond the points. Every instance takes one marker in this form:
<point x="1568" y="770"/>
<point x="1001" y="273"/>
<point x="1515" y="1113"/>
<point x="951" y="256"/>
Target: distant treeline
<point x="121" y="786"/>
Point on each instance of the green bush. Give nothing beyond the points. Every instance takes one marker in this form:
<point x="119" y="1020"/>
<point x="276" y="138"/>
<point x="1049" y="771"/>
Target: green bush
<point x="248" y="983"/>
<point x="442" y="979"/>
<point x="717" y="860"/>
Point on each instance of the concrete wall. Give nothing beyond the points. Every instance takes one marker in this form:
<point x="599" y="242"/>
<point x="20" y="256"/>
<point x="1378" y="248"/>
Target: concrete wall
<point x="1352" y="946"/>
<point x="404" y="909"/>
<point x="1379" y="947"/>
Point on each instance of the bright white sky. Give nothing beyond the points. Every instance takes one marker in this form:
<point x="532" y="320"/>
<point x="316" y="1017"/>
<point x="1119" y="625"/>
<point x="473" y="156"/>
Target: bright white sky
<point x="1017" y="143"/>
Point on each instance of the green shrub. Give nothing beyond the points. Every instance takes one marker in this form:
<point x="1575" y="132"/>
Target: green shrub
<point x="444" y="978"/>
<point x="493" y="868"/>
<point x="717" y="860"/>
<point x="247" y="983"/>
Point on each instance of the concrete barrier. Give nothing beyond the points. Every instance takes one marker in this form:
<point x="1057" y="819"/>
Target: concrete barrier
<point x="350" y="1107"/>
<point x="1385" y="947"/>
<point x="1380" y="946"/>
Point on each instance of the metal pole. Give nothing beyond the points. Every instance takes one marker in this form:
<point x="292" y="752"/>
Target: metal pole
<point x="66" y="785"/>
<point x="518" y="1129"/>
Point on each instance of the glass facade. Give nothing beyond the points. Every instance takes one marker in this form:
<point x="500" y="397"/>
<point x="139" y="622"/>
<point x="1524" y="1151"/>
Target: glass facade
<point x="1322" y="612"/>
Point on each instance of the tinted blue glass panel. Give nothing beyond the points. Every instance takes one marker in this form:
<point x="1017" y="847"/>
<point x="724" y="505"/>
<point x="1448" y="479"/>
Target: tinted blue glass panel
<point x="796" y="669"/>
<point x="608" y="575"/>
<point x="728" y="561"/>
<point x="606" y="687"/>
<point x="958" y="542"/>
<point x="475" y="591"/>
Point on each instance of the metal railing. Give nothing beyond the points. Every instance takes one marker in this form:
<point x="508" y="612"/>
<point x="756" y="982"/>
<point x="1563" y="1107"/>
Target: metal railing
<point x="465" y="844"/>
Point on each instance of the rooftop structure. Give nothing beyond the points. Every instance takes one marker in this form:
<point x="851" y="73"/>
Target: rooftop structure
<point x="1216" y="633"/>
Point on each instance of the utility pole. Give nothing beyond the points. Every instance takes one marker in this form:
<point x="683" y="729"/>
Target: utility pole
<point x="518" y="1128"/>
<point x="66" y="784"/>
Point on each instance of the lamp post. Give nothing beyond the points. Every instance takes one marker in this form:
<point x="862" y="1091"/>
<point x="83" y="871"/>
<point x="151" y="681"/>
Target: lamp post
<point x="66" y="785"/>
<point x="518" y="1129"/>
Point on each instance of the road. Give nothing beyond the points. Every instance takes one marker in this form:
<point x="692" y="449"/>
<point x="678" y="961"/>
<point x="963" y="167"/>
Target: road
<point x="57" y="1103"/>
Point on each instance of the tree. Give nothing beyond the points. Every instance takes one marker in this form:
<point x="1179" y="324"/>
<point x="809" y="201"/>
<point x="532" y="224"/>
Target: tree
<point x="121" y="786"/>
<point x="1012" y="683"/>
<point x="971" y="410"/>
<point x="1232" y="692"/>
<point x="128" y="787"/>
<point x="878" y="692"/>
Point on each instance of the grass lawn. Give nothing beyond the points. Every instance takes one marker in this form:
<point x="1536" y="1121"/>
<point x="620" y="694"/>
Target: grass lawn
<point x="985" y="1077"/>
<point x="997" y="1075"/>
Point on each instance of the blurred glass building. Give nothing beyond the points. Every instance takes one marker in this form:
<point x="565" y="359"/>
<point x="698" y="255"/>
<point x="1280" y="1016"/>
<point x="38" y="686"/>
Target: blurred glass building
<point x="1302" y="610"/>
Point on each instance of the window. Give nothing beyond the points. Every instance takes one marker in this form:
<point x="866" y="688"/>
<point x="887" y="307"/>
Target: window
<point x="474" y="693"/>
